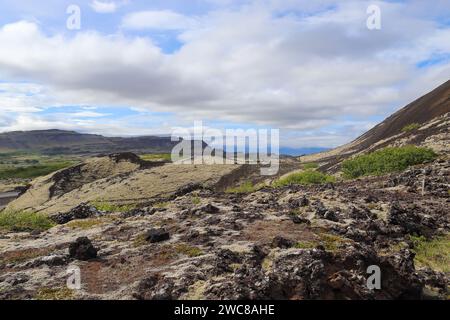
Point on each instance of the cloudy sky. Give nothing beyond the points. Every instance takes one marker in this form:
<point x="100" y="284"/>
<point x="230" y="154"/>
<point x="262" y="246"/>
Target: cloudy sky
<point x="310" y="68"/>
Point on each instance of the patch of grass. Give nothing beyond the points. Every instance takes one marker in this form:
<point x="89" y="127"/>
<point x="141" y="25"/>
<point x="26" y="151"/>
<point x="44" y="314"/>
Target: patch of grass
<point x="331" y="242"/>
<point x="111" y="207"/>
<point x="309" y="166"/>
<point x="160" y="205"/>
<point x="306" y="245"/>
<point x="24" y="221"/>
<point x="55" y="294"/>
<point x="188" y="250"/>
<point x="33" y="171"/>
<point x="411" y="127"/>
<point x="434" y="254"/>
<point x="84" y="224"/>
<point x="386" y="160"/>
<point x="246" y="187"/>
<point x="197" y="291"/>
<point x="140" y="241"/>
<point x="305" y="178"/>
<point x="157" y="157"/>
<point x="196" y="200"/>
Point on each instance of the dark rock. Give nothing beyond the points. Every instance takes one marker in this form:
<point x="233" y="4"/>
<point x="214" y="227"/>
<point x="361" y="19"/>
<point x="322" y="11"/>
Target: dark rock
<point x="209" y="208"/>
<point x="297" y="203"/>
<point x="188" y="189"/>
<point x="299" y="220"/>
<point x="155" y="287"/>
<point x="82" y="249"/>
<point x="51" y="261"/>
<point x="282" y="243"/>
<point x="141" y="212"/>
<point x="83" y="211"/>
<point x="157" y="235"/>
<point x="15" y="279"/>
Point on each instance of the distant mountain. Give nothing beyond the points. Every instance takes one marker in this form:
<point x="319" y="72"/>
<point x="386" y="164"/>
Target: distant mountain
<point x="300" y="151"/>
<point x="70" y="142"/>
<point x="424" y="122"/>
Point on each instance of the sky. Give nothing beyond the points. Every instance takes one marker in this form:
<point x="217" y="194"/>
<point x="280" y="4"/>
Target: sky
<point x="312" y="69"/>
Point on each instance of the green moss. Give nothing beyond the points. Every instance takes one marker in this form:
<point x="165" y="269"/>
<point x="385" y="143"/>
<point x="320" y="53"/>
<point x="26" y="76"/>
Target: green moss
<point x="196" y="200"/>
<point x="332" y="242"/>
<point x="160" y="205"/>
<point x="157" y="157"/>
<point x="305" y="178"/>
<point x="411" y="127"/>
<point x="306" y="245"/>
<point x="308" y="166"/>
<point x="112" y="207"/>
<point x="246" y="187"/>
<point x="386" y="160"/>
<point x="188" y="250"/>
<point x="54" y="294"/>
<point x="434" y="253"/>
<point x="84" y="224"/>
<point x="24" y="221"/>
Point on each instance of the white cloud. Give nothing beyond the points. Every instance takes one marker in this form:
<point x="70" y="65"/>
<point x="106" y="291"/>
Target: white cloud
<point x="267" y="65"/>
<point x="162" y="20"/>
<point x="106" y="6"/>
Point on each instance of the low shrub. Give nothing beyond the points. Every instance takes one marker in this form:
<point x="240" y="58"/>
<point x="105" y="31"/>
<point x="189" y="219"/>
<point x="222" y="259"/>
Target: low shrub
<point x="305" y="178"/>
<point x="434" y="254"/>
<point x="247" y="187"/>
<point x="387" y="160"/>
<point x="24" y="221"/>
<point x="308" y="166"/>
<point x="411" y="127"/>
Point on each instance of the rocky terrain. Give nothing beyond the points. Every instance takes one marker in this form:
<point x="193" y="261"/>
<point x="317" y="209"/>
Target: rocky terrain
<point x="294" y="242"/>
<point x="155" y="230"/>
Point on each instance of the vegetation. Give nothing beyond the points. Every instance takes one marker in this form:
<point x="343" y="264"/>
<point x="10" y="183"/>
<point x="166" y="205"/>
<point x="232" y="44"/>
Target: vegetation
<point x="188" y="250"/>
<point x="306" y="177"/>
<point x="411" y="127"/>
<point x="24" y="221"/>
<point x="246" y="187"/>
<point x="329" y="241"/>
<point x="386" y="160"/>
<point x="33" y="171"/>
<point x="157" y="157"/>
<point x="306" y="245"/>
<point x="196" y="200"/>
<point x="112" y="207"/>
<point x="160" y="205"/>
<point x="434" y="254"/>
<point x="311" y="165"/>
<point x="55" y="294"/>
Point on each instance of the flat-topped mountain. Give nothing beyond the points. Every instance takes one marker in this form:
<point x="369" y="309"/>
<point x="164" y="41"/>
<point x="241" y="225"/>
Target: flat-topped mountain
<point x="70" y="142"/>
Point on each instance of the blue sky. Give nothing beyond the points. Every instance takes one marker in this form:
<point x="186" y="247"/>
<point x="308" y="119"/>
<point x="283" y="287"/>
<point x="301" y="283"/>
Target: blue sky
<point x="309" y="68"/>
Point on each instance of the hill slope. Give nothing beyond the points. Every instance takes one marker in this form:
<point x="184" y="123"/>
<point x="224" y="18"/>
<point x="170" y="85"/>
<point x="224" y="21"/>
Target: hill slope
<point x="428" y="119"/>
<point x="70" y="142"/>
